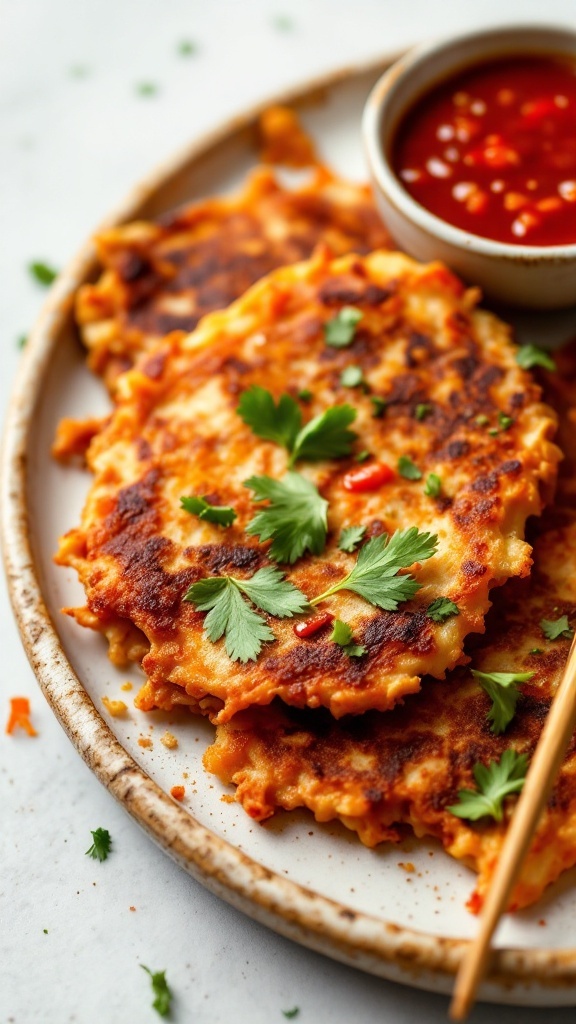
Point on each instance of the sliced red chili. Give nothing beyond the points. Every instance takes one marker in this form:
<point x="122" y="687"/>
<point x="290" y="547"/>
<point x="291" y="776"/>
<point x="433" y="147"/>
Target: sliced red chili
<point x="368" y="478"/>
<point x="311" y="626"/>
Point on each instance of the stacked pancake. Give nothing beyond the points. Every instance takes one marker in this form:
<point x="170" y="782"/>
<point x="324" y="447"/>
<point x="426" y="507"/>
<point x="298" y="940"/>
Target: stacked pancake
<point x="308" y="515"/>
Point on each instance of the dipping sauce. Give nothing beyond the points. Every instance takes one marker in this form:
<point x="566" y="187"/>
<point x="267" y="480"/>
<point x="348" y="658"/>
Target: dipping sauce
<point x="493" y="150"/>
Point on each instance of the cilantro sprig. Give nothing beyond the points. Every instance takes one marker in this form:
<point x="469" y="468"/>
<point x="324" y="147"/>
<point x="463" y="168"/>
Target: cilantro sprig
<point x="350" y="538"/>
<point x="553" y="629"/>
<point x="441" y="609"/>
<point x="324" y="437"/>
<point x="495" y="783"/>
<point x="222" y="515"/>
<point x="102" y="843"/>
<point x="339" y="332"/>
<point x="229" y="615"/>
<point x="504" y="693"/>
<point x="343" y="636"/>
<point x="529" y="356"/>
<point x="295" y="518"/>
<point x="408" y="469"/>
<point x="375" y="574"/>
<point x="162" y="993"/>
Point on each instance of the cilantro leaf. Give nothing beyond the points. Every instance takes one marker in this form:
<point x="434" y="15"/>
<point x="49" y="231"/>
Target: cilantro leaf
<point x="351" y="537"/>
<point x="326" y="436"/>
<point x="352" y="377"/>
<point x="280" y="423"/>
<point x="374" y="577"/>
<point x="342" y="635"/>
<point x="433" y="485"/>
<point x="268" y="590"/>
<point x="422" y="411"/>
<point x="441" y="609"/>
<point x="503" y="692"/>
<point x="528" y="356"/>
<point x="504" y="421"/>
<point x="379" y="406"/>
<point x="222" y="515"/>
<point x="555" y="628"/>
<point x="494" y="784"/>
<point x="229" y="614"/>
<point x="101" y="846"/>
<point x="291" y="1014"/>
<point x="162" y="993"/>
<point x="339" y="332"/>
<point x="408" y="469"/>
<point x="187" y="47"/>
<point x="42" y="273"/>
<point x="146" y="89"/>
<point x="295" y="520"/>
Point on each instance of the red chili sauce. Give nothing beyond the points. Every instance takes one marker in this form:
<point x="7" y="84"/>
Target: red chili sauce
<point x="493" y="151"/>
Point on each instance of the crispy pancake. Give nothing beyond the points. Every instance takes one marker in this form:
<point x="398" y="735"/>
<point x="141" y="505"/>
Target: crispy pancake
<point x="377" y="772"/>
<point x="164" y="276"/>
<point x="176" y="431"/>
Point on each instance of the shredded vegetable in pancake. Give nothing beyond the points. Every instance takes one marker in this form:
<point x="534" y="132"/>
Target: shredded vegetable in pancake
<point x="164" y="276"/>
<point x="176" y="431"/>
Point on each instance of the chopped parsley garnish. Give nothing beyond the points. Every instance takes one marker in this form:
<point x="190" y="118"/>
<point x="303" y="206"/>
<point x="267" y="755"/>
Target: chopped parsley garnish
<point x="352" y="377"/>
<point x="187" y="48"/>
<point x="555" y="628"/>
<point x="351" y="537"/>
<point x="324" y="437"/>
<point x="379" y="406"/>
<point x="363" y="456"/>
<point x="42" y="273"/>
<point x="528" y="356"/>
<point x="283" y="23"/>
<point x="222" y="515"/>
<point x="503" y="692"/>
<point x="375" y="575"/>
<point x="295" y="518"/>
<point x="422" y="411"/>
<point x="504" y="421"/>
<point x="408" y="469"/>
<point x="147" y="89"/>
<point x="101" y="846"/>
<point x="495" y="783"/>
<point x="22" y="341"/>
<point x="45" y="930"/>
<point x="79" y="71"/>
<point x="433" y="485"/>
<point x="481" y="420"/>
<point x="162" y="993"/>
<point x="441" y="609"/>
<point x="342" y="635"/>
<point x="305" y="395"/>
<point x="339" y="332"/>
<point x="535" y="650"/>
<point x="230" y="616"/>
<point x="291" y="1014"/>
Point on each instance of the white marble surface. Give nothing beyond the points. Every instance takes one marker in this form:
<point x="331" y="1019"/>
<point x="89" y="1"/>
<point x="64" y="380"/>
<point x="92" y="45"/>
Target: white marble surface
<point x="70" y="148"/>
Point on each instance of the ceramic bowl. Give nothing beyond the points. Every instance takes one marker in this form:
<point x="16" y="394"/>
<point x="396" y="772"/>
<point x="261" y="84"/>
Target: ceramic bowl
<point x="538" y="277"/>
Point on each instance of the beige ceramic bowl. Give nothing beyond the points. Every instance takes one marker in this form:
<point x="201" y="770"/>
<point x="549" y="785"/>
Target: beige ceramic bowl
<point x="540" y="277"/>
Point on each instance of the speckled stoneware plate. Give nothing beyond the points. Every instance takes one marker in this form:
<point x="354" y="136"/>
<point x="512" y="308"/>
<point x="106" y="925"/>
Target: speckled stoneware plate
<point x="314" y="883"/>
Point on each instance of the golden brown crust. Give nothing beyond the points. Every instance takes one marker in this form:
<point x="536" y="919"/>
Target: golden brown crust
<point x="378" y="772"/>
<point x="176" y="431"/>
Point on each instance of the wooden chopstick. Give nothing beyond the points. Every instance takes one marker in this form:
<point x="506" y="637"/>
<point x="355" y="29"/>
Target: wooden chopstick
<point x="544" y="766"/>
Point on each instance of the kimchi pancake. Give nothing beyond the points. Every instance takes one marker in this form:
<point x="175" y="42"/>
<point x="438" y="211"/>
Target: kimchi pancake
<point x="379" y="772"/>
<point x="163" y="276"/>
<point x="419" y="344"/>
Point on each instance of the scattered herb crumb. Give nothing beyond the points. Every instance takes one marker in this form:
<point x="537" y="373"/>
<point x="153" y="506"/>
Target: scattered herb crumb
<point x="528" y="356"/>
<point x="79" y="71"/>
<point x="422" y="411"/>
<point x="101" y="846"/>
<point x="187" y="48"/>
<point x="535" y="650"/>
<point x="45" y="930"/>
<point x="553" y="629"/>
<point x="339" y="332"/>
<point x="481" y="420"/>
<point x="42" y="273"/>
<point x="305" y="395"/>
<point x="433" y="485"/>
<point x="363" y="455"/>
<point x="22" y="341"/>
<point x="408" y="469"/>
<point x="441" y="609"/>
<point x="379" y="405"/>
<point x="504" y="421"/>
<point x="352" y="377"/>
<point x="147" y="89"/>
<point x="283" y="23"/>
<point x="162" y="993"/>
<point x="291" y="1014"/>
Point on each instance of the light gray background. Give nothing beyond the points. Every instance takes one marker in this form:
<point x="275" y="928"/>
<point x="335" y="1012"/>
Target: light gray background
<point x="71" y="147"/>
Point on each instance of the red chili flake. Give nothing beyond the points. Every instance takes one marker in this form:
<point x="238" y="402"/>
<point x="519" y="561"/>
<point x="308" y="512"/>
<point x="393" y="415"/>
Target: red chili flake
<point x="368" y="478"/>
<point x="20" y="716"/>
<point x="311" y="626"/>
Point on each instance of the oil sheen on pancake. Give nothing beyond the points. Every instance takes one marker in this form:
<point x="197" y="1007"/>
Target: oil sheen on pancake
<point x="420" y="343"/>
<point x="163" y="276"/>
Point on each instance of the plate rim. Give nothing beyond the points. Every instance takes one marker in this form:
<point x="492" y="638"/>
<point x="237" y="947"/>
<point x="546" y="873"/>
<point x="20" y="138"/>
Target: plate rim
<point x="380" y="947"/>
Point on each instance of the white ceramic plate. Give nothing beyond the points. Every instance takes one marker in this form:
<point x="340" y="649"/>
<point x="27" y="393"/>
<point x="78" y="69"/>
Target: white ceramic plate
<point x="313" y="883"/>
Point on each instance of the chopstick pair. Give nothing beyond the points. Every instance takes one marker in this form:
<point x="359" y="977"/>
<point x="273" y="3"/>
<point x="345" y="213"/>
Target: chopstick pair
<point x="542" y="772"/>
